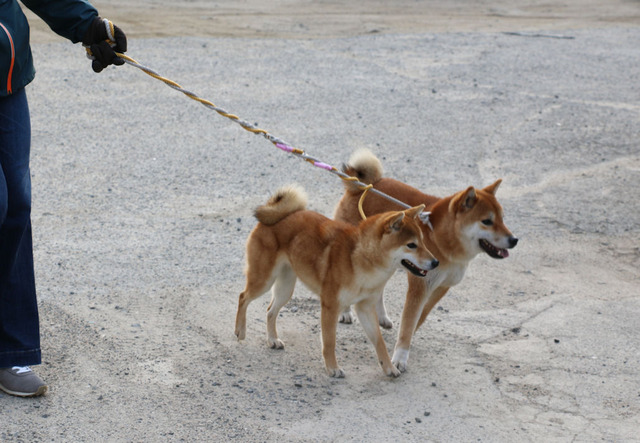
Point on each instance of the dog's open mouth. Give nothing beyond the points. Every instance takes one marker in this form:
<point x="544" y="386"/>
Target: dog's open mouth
<point x="492" y="250"/>
<point x="413" y="268"/>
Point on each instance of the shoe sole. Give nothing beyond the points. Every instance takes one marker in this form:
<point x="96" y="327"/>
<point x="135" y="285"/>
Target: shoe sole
<point x="41" y="391"/>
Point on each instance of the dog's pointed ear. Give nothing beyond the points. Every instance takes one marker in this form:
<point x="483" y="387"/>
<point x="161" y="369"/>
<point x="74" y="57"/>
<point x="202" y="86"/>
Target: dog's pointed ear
<point x="491" y="189"/>
<point x="464" y="200"/>
<point x="394" y="222"/>
<point x="414" y="212"/>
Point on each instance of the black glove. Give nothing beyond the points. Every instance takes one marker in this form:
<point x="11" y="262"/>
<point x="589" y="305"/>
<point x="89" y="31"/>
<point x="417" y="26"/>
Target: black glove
<point x="102" y="40"/>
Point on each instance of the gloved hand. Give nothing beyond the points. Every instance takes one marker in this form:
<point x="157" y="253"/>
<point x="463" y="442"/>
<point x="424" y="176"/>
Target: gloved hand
<point x="102" y="40"/>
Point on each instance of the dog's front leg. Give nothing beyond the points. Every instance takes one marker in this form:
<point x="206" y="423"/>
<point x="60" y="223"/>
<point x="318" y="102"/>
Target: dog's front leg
<point x="329" y="322"/>
<point x="433" y="299"/>
<point x="416" y="298"/>
<point x="420" y="300"/>
<point x="367" y="315"/>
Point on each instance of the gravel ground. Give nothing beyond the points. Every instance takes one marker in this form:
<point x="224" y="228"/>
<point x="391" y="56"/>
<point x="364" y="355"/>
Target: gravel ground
<point x="143" y="201"/>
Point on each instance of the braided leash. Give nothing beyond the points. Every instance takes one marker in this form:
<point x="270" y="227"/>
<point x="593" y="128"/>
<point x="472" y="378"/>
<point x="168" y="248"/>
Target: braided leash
<point x="279" y="143"/>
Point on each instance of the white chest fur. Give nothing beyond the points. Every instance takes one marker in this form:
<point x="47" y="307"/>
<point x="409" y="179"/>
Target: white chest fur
<point x="448" y="275"/>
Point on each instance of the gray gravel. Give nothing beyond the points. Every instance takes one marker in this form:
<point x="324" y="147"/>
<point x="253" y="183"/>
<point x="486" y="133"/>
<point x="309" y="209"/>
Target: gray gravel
<point x="143" y="201"/>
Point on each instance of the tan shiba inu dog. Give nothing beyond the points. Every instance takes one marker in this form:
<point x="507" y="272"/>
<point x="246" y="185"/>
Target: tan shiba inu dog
<point x="344" y="264"/>
<point x="464" y="225"/>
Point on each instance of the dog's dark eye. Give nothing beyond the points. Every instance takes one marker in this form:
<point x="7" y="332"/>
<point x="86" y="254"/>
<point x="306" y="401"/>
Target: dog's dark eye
<point x="487" y="222"/>
<point x="412" y="246"/>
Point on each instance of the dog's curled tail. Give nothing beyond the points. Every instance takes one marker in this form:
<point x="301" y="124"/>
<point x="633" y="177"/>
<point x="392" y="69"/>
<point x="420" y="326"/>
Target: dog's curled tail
<point x="285" y="201"/>
<point x="363" y="165"/>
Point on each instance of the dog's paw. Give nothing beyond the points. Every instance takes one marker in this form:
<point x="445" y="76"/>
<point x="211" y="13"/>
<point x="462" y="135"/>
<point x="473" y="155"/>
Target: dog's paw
<point x="347" y="317"/>
<point x="399" y="359"/>
<point x="402" y="367"/>
<point x="385" y="322"/>
<point x="336" y="373"/>
<point x="240" y="333"/>
<point x="275" y="343"/>
<point x="393" y="372"/>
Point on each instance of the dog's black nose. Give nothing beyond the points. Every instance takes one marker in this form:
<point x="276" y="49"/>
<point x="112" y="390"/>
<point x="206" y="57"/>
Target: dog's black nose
<point x="513" y="241"/>
<point x="434" y="263"/>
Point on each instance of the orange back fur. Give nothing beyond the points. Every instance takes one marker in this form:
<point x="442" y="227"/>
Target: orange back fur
<point x="322" y="250"/>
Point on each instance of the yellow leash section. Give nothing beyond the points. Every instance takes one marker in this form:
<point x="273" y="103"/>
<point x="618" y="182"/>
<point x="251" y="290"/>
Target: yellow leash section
<point x="365" y="189"/>
<point x="276" y="141"/>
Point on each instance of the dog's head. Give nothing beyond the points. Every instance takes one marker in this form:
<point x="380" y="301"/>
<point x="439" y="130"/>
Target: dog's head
<point x="478" y="218"/>
<point x="402" y="236"/>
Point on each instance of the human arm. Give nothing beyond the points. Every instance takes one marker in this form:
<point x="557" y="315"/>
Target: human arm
<point x="70" y="19"/>
<point x="78" y="20"/>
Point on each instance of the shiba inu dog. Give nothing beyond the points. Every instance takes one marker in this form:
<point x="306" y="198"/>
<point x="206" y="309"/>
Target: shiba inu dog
<point x="344" y="264"/>
<point x="462" y="226"/>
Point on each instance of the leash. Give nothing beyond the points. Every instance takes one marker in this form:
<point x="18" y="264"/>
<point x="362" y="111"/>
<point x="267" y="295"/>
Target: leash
<point x="277" y="142"/>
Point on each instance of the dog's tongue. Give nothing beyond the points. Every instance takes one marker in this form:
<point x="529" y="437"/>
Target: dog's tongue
<point x="503" y="253"/>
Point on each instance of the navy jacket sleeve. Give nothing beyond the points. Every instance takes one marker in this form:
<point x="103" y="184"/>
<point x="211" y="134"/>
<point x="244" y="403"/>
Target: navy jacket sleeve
<point x="68" y="18"/>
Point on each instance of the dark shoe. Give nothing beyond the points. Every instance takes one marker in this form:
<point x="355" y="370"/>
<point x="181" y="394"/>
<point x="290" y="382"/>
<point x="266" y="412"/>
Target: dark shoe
<point x="21" y="381"/>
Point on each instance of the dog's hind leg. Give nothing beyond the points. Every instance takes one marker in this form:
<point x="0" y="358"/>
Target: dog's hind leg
<point x="260" y="277"/>
<point x="253" y="290"/>
<point x="281" y="293"/>
<point x="383" y="318"/>
<point x="366" y="311"/>
<point x="347" y="316"/>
